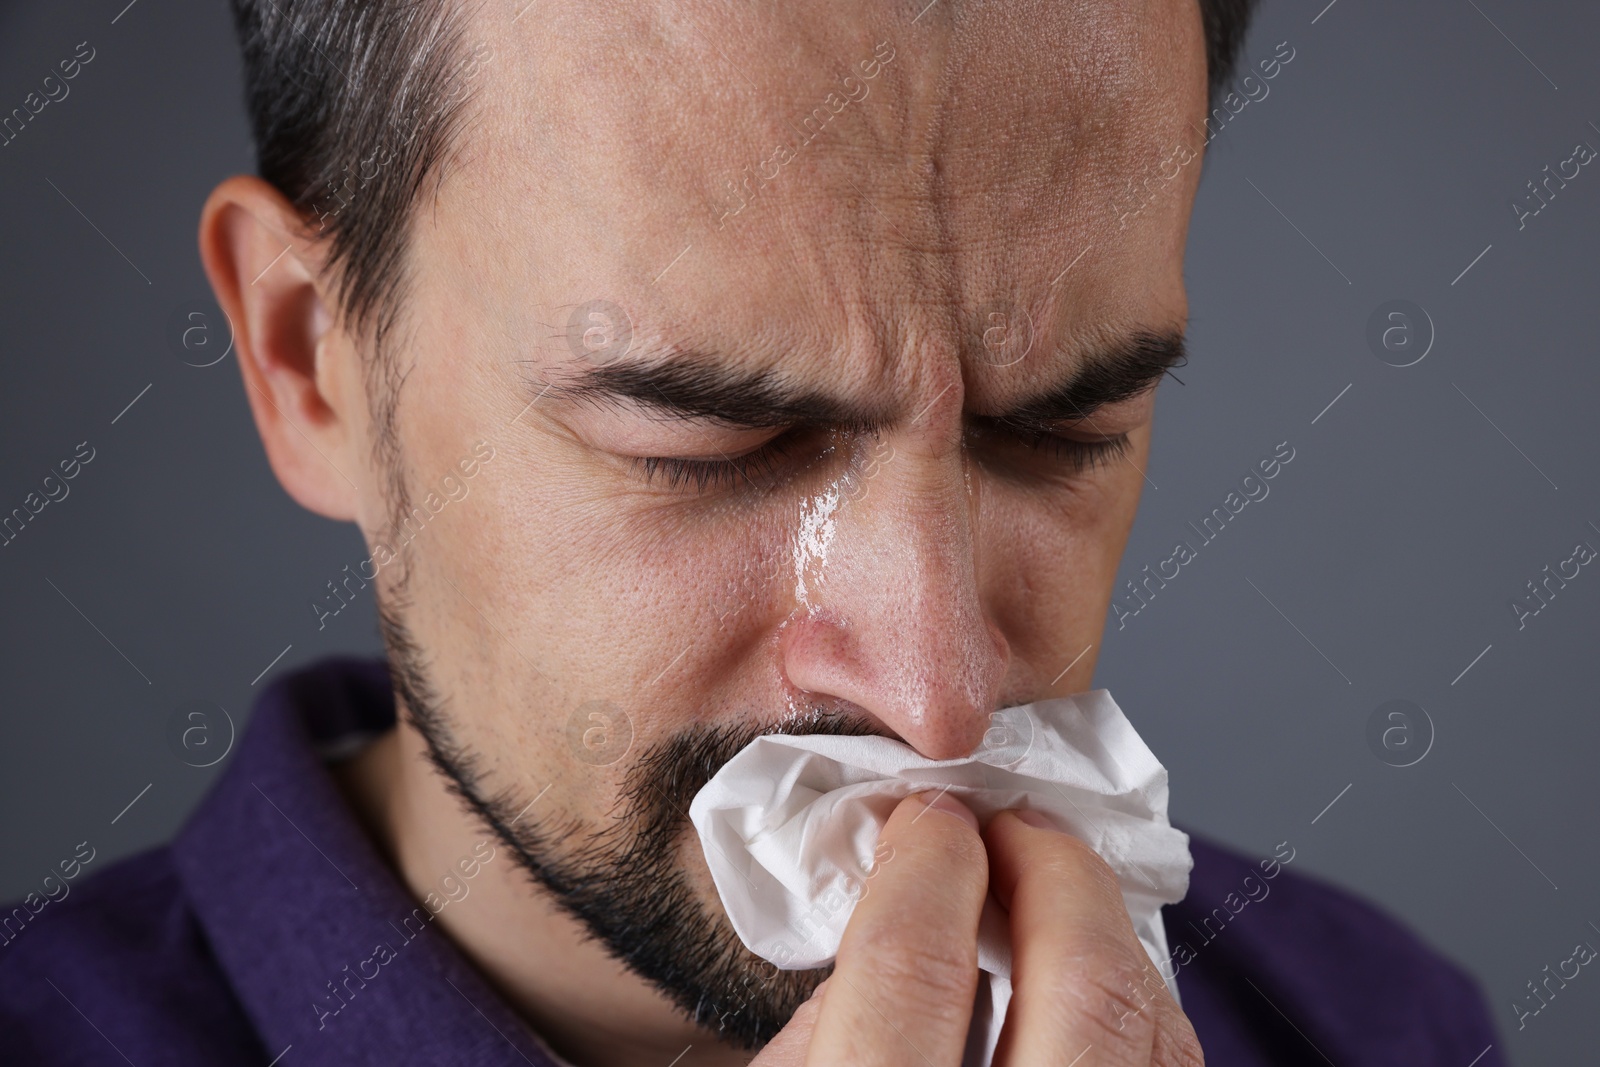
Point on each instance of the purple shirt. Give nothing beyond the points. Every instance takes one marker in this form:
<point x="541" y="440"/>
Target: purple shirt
<point x="271" y="930"/>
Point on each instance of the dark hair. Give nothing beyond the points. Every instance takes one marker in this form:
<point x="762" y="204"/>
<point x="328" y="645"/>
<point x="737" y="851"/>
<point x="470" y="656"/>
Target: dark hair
<point x="354" y="105"/>
<point x="1225" y="23"/>
<point x="332" y="85"/>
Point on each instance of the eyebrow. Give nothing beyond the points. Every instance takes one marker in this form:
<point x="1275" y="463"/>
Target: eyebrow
<point x="691" y="386"/>
<point x="1105" y="374"/>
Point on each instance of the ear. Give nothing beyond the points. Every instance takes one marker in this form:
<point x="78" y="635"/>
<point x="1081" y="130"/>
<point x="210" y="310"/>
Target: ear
<point x="302" y="372"/>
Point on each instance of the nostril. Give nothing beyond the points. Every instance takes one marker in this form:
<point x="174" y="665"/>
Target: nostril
<point x="953" y="747"/>
<point x="904" y="681"/>
<point x="946" y="734"/>
<point x="808" y="712"/>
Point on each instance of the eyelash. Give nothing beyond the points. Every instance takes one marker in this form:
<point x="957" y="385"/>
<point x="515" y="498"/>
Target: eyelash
<point x="715" y="473"/>
<point x="1081" y="454"/>
<point x="728" y="473"/>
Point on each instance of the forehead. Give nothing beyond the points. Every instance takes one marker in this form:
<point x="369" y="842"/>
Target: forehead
<point x="842" y="178"/>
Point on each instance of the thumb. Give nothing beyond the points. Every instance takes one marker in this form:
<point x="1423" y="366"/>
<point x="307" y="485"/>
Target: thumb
<point x="789" y="1047"/>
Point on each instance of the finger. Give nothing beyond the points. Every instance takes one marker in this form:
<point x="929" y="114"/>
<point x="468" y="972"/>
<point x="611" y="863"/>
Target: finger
<point x="788" y="1048"/>
<point x="1081" y="979"/>
<point x="903" y="984"/>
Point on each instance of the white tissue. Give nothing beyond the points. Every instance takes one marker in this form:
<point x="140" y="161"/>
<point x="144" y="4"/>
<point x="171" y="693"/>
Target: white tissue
<point x="790" y="825"/>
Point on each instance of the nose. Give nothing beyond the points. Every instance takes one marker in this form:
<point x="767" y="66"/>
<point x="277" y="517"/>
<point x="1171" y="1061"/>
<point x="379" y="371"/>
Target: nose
<point x="892" y="620"/>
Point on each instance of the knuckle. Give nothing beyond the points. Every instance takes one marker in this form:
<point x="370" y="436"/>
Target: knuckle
<point x="1115" y="992"/>
<point x="1177" y="1045"/>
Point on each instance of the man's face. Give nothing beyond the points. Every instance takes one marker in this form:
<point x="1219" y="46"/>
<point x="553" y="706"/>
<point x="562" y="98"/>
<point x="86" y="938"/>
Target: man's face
<point x="816" y="350"/>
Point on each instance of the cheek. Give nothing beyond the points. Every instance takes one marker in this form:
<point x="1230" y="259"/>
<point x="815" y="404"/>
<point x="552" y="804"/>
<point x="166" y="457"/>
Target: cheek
<point x="584" y="625"/>
<point x="1049" y="561"/>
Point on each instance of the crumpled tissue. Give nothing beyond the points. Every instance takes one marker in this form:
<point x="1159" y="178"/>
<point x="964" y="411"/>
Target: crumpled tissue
<point x="790" y="826"/>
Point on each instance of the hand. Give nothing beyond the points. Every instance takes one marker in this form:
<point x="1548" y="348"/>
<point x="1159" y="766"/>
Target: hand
<point x="1084" y="991"/>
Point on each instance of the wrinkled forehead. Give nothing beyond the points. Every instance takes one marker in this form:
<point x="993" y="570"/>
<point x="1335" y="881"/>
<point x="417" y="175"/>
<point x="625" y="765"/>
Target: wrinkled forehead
<point x="835" y="156"/>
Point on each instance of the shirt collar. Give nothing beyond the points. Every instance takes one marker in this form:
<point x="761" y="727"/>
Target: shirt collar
<point x="304" y="915"/>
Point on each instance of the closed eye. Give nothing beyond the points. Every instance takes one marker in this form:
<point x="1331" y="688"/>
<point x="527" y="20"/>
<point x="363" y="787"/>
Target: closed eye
<point x="1080" y="455"/>
<point x="757" y="468"/>
<point x="762" y="467"/>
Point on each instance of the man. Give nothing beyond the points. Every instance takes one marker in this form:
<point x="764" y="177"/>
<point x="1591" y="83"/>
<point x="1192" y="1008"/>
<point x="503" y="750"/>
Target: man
<point x="695" y="372"/>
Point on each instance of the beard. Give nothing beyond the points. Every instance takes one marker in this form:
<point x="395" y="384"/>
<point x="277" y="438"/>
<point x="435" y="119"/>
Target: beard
<point x="626" y="882"/>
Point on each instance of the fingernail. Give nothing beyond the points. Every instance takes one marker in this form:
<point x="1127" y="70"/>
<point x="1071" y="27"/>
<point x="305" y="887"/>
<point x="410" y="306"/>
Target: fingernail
<point x="1035" y="818"/>
<point x="948" y="804"/>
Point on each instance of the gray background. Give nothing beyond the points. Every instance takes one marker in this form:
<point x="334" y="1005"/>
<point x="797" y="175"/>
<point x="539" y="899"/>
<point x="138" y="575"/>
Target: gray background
<point x="1390" y="547"/>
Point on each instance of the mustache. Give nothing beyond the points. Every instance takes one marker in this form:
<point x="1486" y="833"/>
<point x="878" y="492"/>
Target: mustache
<point x="658" y="788"/>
